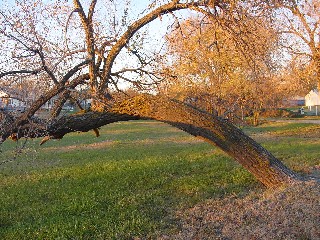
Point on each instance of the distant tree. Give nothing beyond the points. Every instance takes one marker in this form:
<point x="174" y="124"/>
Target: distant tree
<point x="299" y="24"/>
<point x="71" y="46"/>
<point x="219" y="73"/>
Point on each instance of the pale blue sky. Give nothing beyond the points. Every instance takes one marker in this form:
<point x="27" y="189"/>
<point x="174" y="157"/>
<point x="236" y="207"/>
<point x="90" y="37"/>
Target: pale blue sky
<point x="156" y="29"/>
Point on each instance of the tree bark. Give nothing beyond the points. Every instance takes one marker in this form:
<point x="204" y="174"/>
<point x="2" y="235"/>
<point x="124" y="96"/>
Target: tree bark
<point x="215" y="130"/>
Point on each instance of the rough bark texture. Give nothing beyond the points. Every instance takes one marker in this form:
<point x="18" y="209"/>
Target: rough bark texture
<point x="217" y="131"/>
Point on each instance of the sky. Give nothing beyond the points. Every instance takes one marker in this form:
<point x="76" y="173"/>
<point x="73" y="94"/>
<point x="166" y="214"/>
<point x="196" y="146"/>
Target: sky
<point x="138" y="8"/>
<point x="156" y="29"/>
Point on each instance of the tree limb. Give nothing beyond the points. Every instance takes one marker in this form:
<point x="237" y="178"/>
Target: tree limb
<point x="34" y="72"/>
<point x="27" y="115"/>
<point x="133" y="28"/>
<point x="217" y="131"/>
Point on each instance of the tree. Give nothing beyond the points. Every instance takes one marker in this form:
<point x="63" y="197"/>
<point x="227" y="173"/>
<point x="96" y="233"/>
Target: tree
<point x="213" y="71"/>
<point x="300" y="29"/>
<point x="93" y="66"/>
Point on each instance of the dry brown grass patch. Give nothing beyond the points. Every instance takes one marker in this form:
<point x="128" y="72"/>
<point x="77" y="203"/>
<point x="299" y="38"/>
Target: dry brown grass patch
<point x="289" y="213"/>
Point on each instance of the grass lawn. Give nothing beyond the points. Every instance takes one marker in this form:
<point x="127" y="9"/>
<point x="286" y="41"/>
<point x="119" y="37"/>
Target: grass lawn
<point x="131" y="180"/>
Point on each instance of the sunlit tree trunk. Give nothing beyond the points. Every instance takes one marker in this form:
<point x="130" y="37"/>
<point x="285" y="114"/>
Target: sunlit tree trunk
<point x="215" y="130"/>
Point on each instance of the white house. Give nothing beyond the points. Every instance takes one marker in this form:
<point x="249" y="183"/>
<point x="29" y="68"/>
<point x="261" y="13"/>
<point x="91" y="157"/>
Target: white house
<point x="313" y="99"/>
<point x="11" y="103"/>
<point x="3" y="99"/>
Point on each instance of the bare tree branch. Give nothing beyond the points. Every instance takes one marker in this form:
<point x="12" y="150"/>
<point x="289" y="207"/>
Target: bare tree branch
<point x="24" y="118"/>
<point x="133" y="28"/>
<point x="72" y="71"/>
<point x="34" y="72"/>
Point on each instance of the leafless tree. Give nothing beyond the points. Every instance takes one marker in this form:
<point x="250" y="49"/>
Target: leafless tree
<point x="299" y="25"/>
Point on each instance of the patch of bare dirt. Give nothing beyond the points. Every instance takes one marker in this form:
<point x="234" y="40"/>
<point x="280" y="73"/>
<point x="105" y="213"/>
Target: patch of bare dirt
<point x="290" y="213"/>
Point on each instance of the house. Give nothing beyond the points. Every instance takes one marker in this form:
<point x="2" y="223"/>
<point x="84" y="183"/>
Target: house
<point x="294" y="101"/>
<point x="51" y="104"/>
<point x="3" y="99"/>
<point x="11" y="103"/>
<point x="313" y="100"/>
<point x="86" y="103"/>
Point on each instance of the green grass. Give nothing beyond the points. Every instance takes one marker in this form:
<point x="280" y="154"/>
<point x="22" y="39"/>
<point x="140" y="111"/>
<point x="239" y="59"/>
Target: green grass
<point x="127" y="183"/>
<point x="296" y="144"/>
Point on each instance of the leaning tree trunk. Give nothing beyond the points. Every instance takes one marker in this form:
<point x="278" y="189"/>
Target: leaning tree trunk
<point x="217" y="131"/>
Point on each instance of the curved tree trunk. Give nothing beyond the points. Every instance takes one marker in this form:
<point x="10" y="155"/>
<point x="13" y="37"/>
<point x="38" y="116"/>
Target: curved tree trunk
<point x="219" y="132"/>
<point x="264" y="166"/>
<point x="215" y="130"/>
